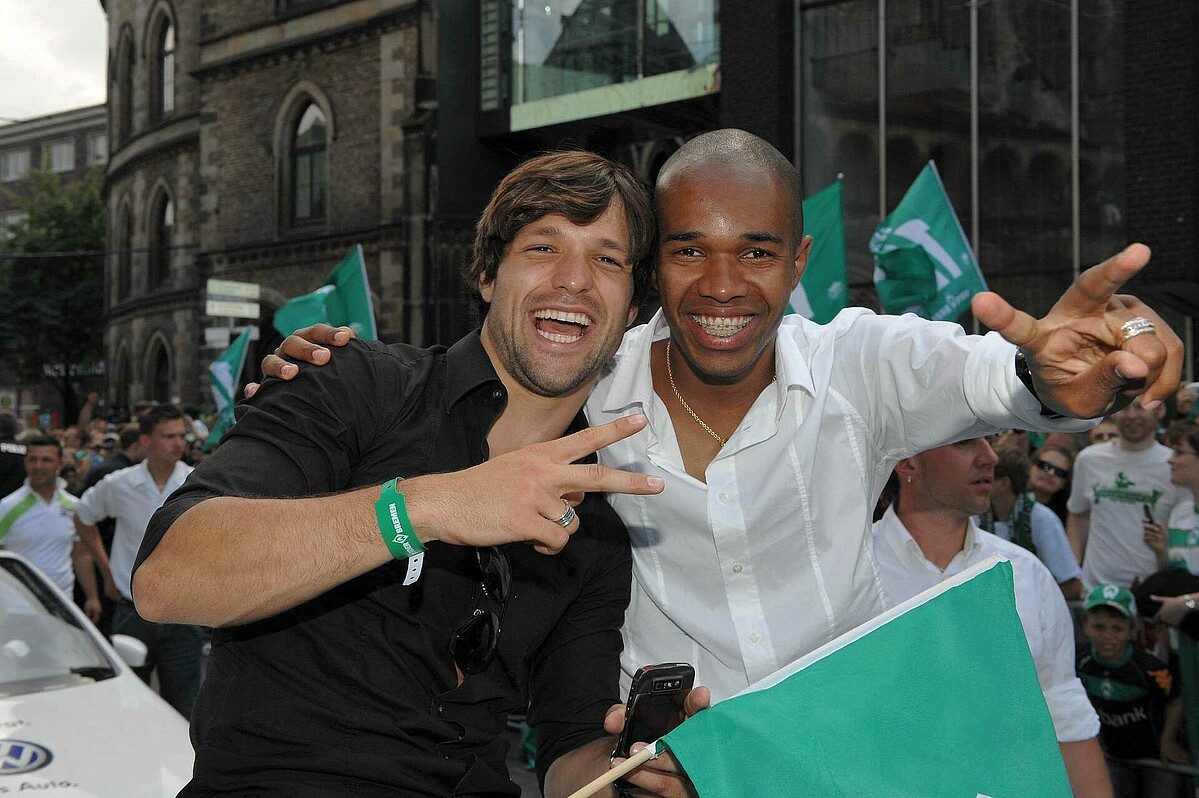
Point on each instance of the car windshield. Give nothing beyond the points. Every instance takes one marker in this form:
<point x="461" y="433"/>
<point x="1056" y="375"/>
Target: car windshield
<point x="42" y="644"/>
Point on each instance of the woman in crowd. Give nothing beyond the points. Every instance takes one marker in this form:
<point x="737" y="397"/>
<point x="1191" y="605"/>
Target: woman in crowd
<point x="1049" y="477"/>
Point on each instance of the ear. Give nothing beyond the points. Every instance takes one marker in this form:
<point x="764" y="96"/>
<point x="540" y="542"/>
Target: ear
<point x="801" y="259"/>
<point x="632" y="315"/>
<point x="486" y="289"/>
<point x="906" y="469"/>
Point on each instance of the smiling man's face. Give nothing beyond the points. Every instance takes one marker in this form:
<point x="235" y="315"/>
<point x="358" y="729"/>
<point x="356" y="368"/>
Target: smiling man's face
<point x="560" y="301"/>
<point x="728" y="260"/>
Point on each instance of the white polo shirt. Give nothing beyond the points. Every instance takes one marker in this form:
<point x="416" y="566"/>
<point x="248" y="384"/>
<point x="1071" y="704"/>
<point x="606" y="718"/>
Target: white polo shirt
<point x="1039" y="603"/>
<point x="43" y="531"/>
<point x="770" y="557"/>
<point x="130" y="496"/>
<point x="1049" y="537"/>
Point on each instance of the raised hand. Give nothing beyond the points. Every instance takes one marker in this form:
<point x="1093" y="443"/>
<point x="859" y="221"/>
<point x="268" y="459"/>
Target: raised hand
<point x="1082" y="363"/>
<point x="521" y="495"/>
<point x="308" y="345"/>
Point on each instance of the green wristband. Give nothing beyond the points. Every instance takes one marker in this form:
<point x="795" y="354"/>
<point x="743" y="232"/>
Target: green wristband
<point x="397" y="530"/>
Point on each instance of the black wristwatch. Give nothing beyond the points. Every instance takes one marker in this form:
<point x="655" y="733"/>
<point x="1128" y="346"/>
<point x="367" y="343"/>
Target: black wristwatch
<point x="1024" y="374"/>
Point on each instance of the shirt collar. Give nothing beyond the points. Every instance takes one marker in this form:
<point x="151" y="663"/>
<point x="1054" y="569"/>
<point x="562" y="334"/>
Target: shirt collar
<point x="60" y="486"/>
<point x="908" y="551"/>
<point x="633" y="382"/>
<point x="467" y="367"/>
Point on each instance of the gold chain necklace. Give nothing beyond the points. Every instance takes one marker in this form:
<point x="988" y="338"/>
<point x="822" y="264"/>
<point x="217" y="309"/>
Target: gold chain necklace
<point x="670" y="375"/>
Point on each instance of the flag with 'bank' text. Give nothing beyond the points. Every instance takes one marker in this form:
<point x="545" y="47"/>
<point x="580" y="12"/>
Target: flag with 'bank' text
<point x="936" y="697"/>
<point x="923" y="261"/>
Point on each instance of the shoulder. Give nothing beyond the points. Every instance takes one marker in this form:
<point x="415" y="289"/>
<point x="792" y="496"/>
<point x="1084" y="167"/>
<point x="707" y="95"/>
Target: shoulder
<point x="1043" y="516"/>
<point x="1025" y="564"/>
<point x="12" y="499"/>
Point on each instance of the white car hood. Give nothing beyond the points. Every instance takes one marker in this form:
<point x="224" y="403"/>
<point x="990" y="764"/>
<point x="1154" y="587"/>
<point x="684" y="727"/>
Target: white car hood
<point x="104" y="739"/>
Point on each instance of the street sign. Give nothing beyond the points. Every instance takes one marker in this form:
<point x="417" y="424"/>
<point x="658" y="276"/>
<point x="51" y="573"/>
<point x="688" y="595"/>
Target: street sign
<point x="236" y="309"/>
<point x="230" y="289"/>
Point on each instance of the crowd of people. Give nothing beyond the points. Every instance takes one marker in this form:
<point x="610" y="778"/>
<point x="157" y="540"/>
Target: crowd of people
<point x="357" y="540"/>
<point x="76" y="505"/>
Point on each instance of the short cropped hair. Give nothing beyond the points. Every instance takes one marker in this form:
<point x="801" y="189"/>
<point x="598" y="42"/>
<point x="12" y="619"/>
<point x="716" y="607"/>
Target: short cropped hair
<point x="44" y="440"/>
<point x="1013" y="464"/>
<point x="579" y="185"/>
<point x="158" y="415"/>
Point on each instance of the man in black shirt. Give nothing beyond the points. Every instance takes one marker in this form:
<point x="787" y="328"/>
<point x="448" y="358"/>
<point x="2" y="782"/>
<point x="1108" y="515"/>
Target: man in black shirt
<point x="337" y="668"/>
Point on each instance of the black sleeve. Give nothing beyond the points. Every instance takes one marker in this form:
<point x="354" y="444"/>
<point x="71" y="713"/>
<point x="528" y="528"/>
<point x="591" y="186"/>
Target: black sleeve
<point x="575" y="675"/>
<point x="297" y="438"/>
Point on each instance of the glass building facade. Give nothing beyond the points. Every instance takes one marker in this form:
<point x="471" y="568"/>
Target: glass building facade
<point x="884" y="86"/>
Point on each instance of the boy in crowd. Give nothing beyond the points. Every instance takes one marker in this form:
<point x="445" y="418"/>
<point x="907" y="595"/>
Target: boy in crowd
<point x="1135" y="694"/>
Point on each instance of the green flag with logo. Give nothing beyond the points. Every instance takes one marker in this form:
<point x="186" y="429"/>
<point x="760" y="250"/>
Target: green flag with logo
<point x="224" y="374"/>
<point x="923" y="262"/>
<point x="823" y="290"/>
<point x="936" y="697"/>
<point x="344" y="299"/>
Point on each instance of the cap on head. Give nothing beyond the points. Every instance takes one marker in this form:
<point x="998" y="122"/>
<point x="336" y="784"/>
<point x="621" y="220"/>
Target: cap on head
<point x="1113" y="596"/>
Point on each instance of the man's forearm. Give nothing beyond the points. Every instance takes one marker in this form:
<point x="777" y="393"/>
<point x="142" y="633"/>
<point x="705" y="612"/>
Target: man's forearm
<point x="85" y="572"/>
<point x="1078" y="528"/>
<point x="90" y="536"/>
<point x="579" y="767"/>
<point x="1086" y="769"/>
<point x="230" y="560"/>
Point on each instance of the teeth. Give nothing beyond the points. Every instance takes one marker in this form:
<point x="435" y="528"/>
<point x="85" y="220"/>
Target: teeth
<point x="720" y="326"/>
<point x="564" y="316"/>
<point x="558" y="338"/>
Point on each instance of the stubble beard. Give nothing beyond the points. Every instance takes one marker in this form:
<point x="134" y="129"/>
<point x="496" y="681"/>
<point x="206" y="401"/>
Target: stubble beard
<point x="519" y="361"/>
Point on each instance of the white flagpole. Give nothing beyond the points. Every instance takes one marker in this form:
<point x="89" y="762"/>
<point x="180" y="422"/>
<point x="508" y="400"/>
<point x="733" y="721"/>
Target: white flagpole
<point x="629" y="765"/>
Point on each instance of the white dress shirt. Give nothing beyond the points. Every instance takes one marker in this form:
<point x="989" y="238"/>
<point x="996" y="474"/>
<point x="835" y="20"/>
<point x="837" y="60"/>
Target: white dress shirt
<point x="1039" y="603"/>
<point x="130" y="496"/>
<point x="770" y="558"/>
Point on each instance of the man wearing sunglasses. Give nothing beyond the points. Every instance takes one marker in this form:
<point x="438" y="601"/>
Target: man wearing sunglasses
<point x="346" y="660"/>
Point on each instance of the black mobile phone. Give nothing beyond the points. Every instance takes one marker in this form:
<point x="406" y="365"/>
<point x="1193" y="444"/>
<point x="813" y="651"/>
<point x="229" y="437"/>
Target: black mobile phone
<point x="655" y="704"/>
<point x="1148" y="512"/>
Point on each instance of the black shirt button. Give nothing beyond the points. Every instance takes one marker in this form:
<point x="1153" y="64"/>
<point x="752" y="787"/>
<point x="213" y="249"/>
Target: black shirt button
<point x="440" y="711"/>
<point x="497" y="394"/>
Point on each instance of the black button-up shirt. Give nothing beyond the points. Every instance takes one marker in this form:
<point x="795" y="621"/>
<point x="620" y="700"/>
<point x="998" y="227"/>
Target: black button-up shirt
<point x="355" y="692"/>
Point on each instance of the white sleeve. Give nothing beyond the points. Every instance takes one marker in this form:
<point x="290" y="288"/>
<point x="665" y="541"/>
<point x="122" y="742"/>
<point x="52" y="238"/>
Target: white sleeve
<point x="926" y="383"/>
<point x="92" y="506"/>
<point x="1053" y="547"/>
<point x="1073" y="716"/>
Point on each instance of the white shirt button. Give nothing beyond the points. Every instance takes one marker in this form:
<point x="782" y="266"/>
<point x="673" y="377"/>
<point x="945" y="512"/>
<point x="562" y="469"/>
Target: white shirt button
<point x="724" y="498"/>
<point x="754" y="637"/>
<point x="738" y="568"/>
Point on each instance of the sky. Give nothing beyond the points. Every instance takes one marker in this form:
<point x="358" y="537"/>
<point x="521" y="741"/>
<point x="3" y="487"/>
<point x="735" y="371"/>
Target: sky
<point x="53" y="56"/>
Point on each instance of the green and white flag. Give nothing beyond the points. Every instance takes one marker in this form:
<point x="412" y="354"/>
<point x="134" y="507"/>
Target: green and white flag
<point x="224" y="374"/>
<point x="923" y="262"/>
<point x="344" y="299"/>
<point x="823" y="290"/>
<point x="936" y="697"/>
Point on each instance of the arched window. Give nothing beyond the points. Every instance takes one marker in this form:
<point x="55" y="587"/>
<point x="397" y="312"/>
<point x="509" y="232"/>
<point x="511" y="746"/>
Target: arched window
<point x="124" y="104"/>
<point x="159" y="376"/>
<point x="124" y="252"/>
<point x="164" y="69"/>
<point x="162" y="233"/>
<point x="309" y="166"/>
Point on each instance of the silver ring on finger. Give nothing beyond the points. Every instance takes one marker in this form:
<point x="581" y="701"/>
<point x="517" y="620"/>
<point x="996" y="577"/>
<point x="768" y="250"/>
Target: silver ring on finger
<point x="1135" y="326"/>
<point x="567" y="518"/>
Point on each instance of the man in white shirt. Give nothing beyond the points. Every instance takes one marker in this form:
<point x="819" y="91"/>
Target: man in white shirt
<point x="775" y="435"/>
<point x="130" y="496"/>
<point x="35" y="522"/>
<point x="1116" y="487"/>
<point x="1017" y="517"/>
<point x="928" y="534"/>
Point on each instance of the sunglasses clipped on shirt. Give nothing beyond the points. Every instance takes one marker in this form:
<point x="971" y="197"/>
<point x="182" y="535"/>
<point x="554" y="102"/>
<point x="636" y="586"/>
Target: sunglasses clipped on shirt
<point x="475" y="640"/>
<point x="1050" y="468"/>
